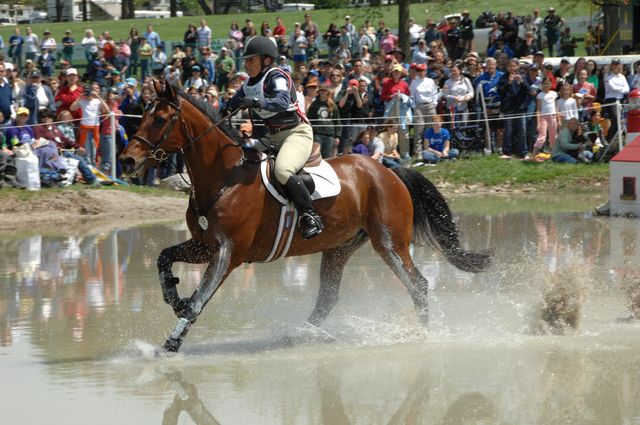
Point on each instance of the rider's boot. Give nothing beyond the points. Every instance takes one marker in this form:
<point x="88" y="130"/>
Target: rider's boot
<point x="309" y="221"/>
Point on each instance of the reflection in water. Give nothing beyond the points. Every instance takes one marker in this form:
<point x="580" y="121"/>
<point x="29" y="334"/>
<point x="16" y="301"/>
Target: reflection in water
<point x="71" y="306"/>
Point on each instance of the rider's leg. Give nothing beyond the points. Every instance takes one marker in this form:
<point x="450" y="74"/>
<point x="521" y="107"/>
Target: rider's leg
<point x="295" y="149"/>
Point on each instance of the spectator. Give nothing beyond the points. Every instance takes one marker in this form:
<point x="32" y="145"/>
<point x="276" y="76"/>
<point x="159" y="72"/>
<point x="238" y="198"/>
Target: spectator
<point x="389" y="42"/>
<point x="225" y="68"/>
<point x="90" y="46"/>
<point x="68" y="44"/>
<point x="48" y="42"/>
<point x="324" y="116"/>
<point x="514" y="90"/>
<point x="616" y="89"/>
<point x="431" y="33"/>
<point x="586" y="92"/>
<point x="37" y="97"/>
<point x="152" y="37"/>
<point x="19" y="132"/>
<point x="190" y="37"/>
<point x="64" y="142"/>
<point x="158" y="62"/>
<point x="389" y="137"/>
<point x="527" y="47"/>
<point x="571" y="145"/>
<point x="546" y="117"/>
<point x="15" y="47"/>
<point x="31" y="44"/>
<point x="299" y="47"/>
<point x="196" y="79"/>
<point x="106" y="130"/>
<point x="487" y="85"/>
<point x="466" y="31"/>
<point x="145" y="51"/>
<point x="353" y="106"/>
<point x="265" y="30"/>
<point x="415" y="32"/>
<point x="69" y="92"/>
<point x="568" y="43"/>
<point x="91" y="105"/>
<point x="537" y="23"/>
<point x="6" y="95"/>
<point x="438" y="143"/>
<point x="552" y="24"/>
<point x="332" y="38"/>
<point x="279" y="30"/>
<point x="134" y="45"/>
<point x="204" y="35"/>
<point x="46" y="62"/>
<point x="309" y="28"/>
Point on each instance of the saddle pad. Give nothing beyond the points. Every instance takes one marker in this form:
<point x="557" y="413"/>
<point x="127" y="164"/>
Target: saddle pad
<point x="324" y="177"/>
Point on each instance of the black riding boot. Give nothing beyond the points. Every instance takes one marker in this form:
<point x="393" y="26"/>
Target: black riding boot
<point x="309" y="221"/>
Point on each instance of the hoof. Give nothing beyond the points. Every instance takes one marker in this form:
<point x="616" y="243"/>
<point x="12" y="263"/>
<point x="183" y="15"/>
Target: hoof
<point x="170" y="346"/>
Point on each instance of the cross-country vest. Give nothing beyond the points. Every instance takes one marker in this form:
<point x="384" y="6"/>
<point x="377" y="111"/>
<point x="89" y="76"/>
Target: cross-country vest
<point x="291" y="116"/>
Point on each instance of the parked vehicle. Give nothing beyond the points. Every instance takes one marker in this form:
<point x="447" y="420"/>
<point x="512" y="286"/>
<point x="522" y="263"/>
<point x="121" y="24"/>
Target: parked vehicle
<point x="5" y="22"/>
<point x="37" y="17"/>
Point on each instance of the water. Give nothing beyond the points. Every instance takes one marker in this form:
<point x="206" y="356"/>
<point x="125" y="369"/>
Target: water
<point x="81" y="315"/>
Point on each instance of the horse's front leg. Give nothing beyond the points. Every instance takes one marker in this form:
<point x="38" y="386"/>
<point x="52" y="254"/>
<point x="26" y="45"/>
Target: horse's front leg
<point x="192" y="252"/>
<point x="220" y="265"/>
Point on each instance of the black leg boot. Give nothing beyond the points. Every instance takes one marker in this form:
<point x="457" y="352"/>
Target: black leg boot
<point x="309" y="221"/>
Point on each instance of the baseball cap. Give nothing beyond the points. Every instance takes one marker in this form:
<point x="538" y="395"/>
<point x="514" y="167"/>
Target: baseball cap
<point x="8" y="66"/>
<point x="420" y="67"/>
<point x="224" y="49"/>
<point x="353" y="82"/>
<point x="131" y="81"/>
<point x="282" y="57"/>
<point x="615" y="61"/>
<point x="397" y="67"/>
<point x="539" y="53"/>
<point x="195" y="68"/>
<point x="71" y="71"/>
<point x="347" y="17"/>
<point x="565" y="60"/>
<point x="534" y="67"/>
<point x="22" y="111"/>
<point x="35" y="74"/>
<point x="551" y="9"/>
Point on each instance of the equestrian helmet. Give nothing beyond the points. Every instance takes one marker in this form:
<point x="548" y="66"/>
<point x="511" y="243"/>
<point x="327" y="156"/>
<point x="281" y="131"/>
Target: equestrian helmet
<point x="261" y="46"/>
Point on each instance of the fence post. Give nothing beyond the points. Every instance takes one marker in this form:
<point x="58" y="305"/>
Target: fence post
<point x="112" y="117"/>
<point x="487" y="129"/>
<point x="619" y="118"/>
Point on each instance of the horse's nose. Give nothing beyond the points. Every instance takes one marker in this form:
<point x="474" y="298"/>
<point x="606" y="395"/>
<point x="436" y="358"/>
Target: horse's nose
<point x="128" y="165"/>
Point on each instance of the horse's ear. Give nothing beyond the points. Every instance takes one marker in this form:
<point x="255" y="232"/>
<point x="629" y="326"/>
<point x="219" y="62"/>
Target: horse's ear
<point x="169" y="91"/>
<point x="158" y="87"/>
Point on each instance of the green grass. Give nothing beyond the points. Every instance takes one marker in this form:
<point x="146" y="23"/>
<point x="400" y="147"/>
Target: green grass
<point x="491" y="171"/>
<point x="174" y="28"/>
<point x="29" y="195"/>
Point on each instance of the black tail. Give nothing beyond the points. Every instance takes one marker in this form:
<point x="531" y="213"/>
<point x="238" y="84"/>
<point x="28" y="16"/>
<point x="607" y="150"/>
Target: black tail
<point x="433" y="223"/>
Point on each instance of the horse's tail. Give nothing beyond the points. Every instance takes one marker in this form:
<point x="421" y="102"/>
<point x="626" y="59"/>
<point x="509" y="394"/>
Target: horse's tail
<point x="433" y="223"/>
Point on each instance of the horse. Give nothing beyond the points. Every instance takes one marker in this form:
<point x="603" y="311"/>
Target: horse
<point x="233" y="219"/>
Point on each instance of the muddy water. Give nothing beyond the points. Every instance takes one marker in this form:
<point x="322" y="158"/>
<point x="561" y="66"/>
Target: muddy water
<point x="80" y="315"/>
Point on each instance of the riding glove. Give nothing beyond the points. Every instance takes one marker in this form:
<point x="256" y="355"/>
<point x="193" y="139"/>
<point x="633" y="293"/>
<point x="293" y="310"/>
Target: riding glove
<point x="247" y="102"/>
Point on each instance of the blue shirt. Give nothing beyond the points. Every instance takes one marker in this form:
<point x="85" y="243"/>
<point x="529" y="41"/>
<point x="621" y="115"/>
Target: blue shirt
<point x="437" y="140"/>
<point x="152" y="38"/>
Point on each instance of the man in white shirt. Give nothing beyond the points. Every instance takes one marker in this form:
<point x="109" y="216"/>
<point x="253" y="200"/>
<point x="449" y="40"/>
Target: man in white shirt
<point x="415" y="31"/>
<point x="204" y="35"/>
<point x="424" y="94"/>
<point x="537" y="22"/>
<point x="616" y="88"/>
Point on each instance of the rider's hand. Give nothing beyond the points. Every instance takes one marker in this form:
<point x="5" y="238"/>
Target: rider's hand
<point x="247" y="102"/>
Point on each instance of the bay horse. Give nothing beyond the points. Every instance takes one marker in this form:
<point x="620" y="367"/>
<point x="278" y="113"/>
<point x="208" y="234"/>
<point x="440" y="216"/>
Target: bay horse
<point x="233" y="219"/>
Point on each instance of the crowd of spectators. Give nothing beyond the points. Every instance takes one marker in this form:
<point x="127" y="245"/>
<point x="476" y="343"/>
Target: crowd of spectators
<point x="362" y="93"/>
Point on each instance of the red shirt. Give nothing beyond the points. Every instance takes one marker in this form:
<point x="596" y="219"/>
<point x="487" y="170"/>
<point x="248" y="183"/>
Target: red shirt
<point x="279" y="30"/>
<point x="105" y="122"/>
<point x="587" y="87"/>
<point x="390" y="87"/>
<point x="66" y="97"/>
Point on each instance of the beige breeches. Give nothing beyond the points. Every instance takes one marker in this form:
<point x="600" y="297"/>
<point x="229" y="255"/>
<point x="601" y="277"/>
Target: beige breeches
<point x="294" y="148"/>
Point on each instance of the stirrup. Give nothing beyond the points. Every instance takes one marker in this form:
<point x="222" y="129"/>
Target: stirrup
<point x="310" y="225"/>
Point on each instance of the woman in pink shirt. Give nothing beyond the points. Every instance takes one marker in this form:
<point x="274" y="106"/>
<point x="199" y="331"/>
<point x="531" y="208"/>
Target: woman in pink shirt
<point x="587" y="92"/>
<point x="389" y="42"/>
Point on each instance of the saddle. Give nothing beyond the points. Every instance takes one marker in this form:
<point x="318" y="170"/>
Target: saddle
<point x="318" y="176"/>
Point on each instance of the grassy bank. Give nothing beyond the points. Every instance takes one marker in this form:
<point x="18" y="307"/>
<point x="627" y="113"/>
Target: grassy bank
<point x="174" y="28"/>
<point x="480" y="173"/>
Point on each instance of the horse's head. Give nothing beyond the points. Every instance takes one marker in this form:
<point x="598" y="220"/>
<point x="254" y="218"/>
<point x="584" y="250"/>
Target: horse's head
<point x="160" y="132"/>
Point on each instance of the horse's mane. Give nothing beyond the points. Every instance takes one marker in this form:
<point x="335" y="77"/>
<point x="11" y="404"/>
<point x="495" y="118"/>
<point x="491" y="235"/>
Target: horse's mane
<point x="207" y="109"/>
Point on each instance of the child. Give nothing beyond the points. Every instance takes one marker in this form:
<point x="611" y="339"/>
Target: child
<point x="545" y="117"/>
<point x="92" y="106"/>
<point x="566" y="106"/>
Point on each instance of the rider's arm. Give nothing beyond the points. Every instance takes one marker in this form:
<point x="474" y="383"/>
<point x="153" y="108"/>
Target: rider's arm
<point x="277" y="93"/>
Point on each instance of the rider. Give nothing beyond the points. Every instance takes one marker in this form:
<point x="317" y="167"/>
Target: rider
<point x="271" y="94"/>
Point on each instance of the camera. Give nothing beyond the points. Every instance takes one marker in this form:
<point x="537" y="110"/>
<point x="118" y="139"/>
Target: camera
<point x="87" y="90"/>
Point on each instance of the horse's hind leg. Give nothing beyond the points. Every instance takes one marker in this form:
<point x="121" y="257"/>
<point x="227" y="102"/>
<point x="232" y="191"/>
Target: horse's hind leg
<point x="331" y="269"/>
<point x="190" y="251"/>
<point x="395" y="252"/>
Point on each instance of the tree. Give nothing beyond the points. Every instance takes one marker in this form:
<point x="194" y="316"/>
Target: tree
<point x="403" y="31"/>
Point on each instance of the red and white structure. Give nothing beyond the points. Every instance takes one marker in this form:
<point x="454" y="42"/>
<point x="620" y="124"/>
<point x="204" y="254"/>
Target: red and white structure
<point x="624" y="168"/>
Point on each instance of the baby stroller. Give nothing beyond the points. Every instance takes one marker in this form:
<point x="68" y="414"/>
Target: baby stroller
<point x="468" y="139"/>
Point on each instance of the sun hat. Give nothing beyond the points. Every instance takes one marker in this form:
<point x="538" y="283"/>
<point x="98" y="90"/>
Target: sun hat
<point x="22" y="111"/>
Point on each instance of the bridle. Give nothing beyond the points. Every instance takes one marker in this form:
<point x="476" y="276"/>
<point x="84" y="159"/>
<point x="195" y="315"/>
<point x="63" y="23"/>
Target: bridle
<point x="157" y="152"/>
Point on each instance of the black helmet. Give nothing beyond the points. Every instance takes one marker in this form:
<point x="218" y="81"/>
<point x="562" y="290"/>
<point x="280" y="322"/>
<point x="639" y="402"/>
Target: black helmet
<point x="260" y="46"/>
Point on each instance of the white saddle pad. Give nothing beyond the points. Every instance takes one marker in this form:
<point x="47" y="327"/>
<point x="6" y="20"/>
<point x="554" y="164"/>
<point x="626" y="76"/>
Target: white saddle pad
<point x="324" y="177"/>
